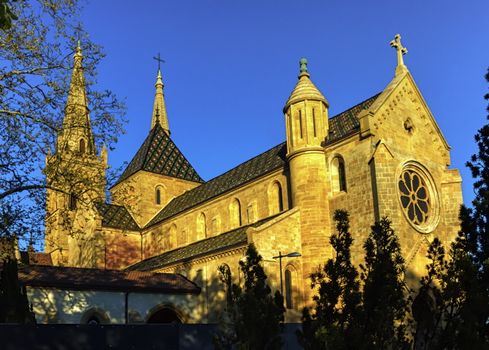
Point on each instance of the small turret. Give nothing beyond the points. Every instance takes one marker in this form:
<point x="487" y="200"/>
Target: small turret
<point x="306" y="113"/>
<point x="306" y="119"/>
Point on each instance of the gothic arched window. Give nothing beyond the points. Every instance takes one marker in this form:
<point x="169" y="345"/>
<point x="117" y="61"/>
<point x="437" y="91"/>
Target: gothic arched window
<point x="235" y="213"/>
<point x="275" y="198"/>
<point x="201" y="227"/>
<point x="290" y="284"/>
<point x="158" y="196"/>
<point x="82" y="146"/>
<point x="338" y="175"/>
<point x="288" y="289"/>
<point x="172" y="239"/>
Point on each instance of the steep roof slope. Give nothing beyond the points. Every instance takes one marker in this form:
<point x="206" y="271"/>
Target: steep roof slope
<point x="116" y="216"/>
<point x="158" y="154"/>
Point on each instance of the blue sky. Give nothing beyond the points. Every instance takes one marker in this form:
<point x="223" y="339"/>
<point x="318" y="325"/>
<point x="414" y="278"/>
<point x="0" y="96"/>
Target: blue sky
<point x="230" y="66"/>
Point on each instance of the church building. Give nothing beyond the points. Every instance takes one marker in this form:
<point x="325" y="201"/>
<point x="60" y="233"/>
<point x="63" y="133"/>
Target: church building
<point x="383" y="157"/>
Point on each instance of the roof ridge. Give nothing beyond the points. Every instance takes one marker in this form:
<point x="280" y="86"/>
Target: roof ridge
<point x="246" y="161"/>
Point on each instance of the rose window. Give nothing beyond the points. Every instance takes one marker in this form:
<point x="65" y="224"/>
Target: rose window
<point x="415" y="198"/>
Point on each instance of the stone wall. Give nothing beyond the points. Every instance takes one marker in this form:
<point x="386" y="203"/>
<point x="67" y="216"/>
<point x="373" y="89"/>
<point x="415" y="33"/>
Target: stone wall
<point x="255" y="203"/>
<point x="138" y="194"/>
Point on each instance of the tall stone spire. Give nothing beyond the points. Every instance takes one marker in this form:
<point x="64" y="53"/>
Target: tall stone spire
<point x="159" y="108"/>
<point x="76" y="133"/>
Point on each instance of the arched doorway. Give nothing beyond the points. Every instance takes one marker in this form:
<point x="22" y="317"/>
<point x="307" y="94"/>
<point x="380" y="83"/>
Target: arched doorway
<point x="164" y="315"/>
<point x="95" y="316"/>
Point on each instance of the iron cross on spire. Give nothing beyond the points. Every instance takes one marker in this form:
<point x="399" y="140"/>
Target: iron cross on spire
<point x="159" y="59"/>
<point x="401" y="50"/>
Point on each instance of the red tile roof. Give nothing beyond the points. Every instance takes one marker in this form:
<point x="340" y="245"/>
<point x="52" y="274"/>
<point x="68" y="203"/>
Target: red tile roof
<point x="108" y="280"/>
<point x="35" y="258"/>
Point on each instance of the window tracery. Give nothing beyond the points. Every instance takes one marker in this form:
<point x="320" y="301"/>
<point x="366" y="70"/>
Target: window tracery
<point x="417" y="197"/>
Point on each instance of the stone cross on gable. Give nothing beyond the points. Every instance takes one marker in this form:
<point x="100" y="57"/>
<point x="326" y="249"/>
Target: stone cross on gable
<point x="159" y="59"/>
<point x="401" y="50"/>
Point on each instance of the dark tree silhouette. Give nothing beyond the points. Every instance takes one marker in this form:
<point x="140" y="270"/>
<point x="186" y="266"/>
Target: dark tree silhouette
<point x="14" y="306"/>
<point x="385" y="296"/>
<point x="254" y="316"/>
<point x="334" y="321"/>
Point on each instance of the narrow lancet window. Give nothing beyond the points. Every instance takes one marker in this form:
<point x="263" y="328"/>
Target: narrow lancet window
<point x="338" y="175"/>
<point x="82" y="146"/>
<point x="289" y="300"/>
<point x="235" y="213"/>
<point x="158" y="196"/>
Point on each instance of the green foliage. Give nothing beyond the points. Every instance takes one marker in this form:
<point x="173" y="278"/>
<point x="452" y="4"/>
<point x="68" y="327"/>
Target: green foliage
<point x="35" y="68"/>
<point x="348" y="317"/>
<point x="456" y="288"/>
<point x="253" y="317"/>
<point x="6" y="15"/>
<point x="334" y="323"/>
<point x="385" y="303"/>
<point x="14" y="306"/>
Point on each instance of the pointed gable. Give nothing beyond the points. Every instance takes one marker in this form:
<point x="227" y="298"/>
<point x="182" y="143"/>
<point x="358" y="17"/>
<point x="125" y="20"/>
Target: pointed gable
<point x="158" y="154"/>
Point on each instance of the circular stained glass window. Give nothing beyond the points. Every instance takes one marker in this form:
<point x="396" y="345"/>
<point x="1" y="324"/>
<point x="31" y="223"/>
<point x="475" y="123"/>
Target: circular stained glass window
<point x="417" y="198"/>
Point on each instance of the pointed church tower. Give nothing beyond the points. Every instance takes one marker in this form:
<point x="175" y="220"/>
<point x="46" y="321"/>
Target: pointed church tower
<point x="75" y="176"/>
<point x="159" y="109"/>
<point x="158" y="171"/>
<point x="306" y="119"/>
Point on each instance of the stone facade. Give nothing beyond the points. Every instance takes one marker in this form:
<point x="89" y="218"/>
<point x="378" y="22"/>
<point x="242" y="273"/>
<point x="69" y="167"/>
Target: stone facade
<point x="384" y="157"/>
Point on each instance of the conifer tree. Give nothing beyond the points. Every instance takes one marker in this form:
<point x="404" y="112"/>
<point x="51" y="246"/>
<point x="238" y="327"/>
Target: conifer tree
<point x="334" y="322"/>
<point x="256" y="314"/>
<point x="14" y="305"/>
<point x="385" y="304"/>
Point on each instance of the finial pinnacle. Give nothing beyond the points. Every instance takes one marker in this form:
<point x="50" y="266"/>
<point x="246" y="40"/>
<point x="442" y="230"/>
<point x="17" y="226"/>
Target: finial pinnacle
<point x="401" y="50"/>
<point x="78" y="51"/>
<point x="303" y="65"/>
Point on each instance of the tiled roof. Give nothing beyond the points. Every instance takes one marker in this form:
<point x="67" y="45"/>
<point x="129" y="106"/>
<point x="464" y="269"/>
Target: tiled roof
<point x="340" y="126"/>
<point x="108" y="280"/>
<point x="35" y="258"/>
<point x="346" y="122"/>
<point x="230" y="239"/>
<point x="249" y="170"/>
<point x="116" y="216"/>
<point x="159" y="154"/>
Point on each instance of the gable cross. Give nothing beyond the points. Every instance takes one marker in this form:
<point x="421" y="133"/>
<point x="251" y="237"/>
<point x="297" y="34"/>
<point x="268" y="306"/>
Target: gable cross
<point x="401" y="50"/>
<point x="159" y="60"/>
